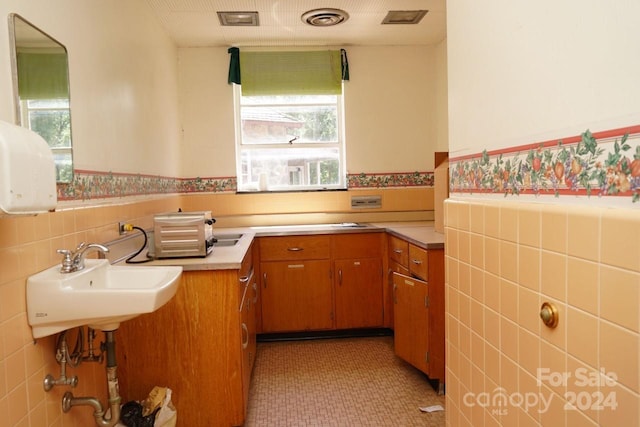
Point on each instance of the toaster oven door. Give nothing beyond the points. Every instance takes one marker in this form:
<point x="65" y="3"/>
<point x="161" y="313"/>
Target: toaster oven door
<point x="180" y="237"/>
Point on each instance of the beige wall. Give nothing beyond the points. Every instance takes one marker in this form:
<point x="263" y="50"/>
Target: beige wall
<point x="394" y="99"/>
<point x="123" y="81"/>
<point x="235" y="210"/>
<point x="390" y="102"/>
<point x="521" y="73"/>
<point x="206" y="110"/>
<point x="442" y="98"/>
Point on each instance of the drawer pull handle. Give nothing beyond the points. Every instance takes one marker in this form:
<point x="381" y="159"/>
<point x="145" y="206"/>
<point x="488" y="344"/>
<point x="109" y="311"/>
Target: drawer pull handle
<point x="416" y="261"/>
<point x="245" y="336"/>
<point x="244" y="279"/>
<point x="295" y="249"/>
<point x="398" y="251"/>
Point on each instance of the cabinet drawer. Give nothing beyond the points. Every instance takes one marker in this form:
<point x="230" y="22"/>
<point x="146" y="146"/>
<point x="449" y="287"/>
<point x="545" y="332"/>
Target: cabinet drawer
<point x="399" y="251"/>
<point x="395" y="267"/>
<point x="363" y="245"/>
<point x="286" y="248"/>
<point x="418" y="262"/>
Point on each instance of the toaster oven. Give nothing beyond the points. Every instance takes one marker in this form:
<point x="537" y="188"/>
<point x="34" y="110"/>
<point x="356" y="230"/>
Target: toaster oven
<point x="183" y="234"/>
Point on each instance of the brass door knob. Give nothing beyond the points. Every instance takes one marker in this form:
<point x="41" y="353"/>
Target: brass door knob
<point x="549" y="314"/>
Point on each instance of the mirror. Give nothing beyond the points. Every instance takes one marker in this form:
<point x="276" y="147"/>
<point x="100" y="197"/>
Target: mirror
<point x="40" y="72"/>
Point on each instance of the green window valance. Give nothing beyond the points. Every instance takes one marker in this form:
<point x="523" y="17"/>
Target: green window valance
<point x="288" y="72"/>
<point x="42" y="75"/>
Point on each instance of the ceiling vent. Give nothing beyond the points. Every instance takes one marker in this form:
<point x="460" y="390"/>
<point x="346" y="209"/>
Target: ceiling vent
<point x="404" y="16"/>
<point x="324" y="17"/>
<point x="238" y="19"/>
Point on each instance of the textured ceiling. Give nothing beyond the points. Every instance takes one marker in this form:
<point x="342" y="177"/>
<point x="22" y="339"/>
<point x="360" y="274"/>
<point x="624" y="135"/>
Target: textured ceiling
<point x="195" y="23"/>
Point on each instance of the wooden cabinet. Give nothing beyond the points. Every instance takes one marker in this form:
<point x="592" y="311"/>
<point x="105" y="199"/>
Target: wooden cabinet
<point x="321" y="282"/>
<point x="297" y="293"/>
<point x="411" y="333"/>
<point x="358" y="288"/>
<point x="201" y="344"/>
<point x="358" y="276"/>
<point x="248" y="328"/>
<point x="417" y="278"/>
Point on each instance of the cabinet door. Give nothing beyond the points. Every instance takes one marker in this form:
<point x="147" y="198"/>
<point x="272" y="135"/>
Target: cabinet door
<point x="358" y="284"/>
<point x="247" y="337"/>
<point x="296" y="296"/>
<point x="394" y="267"/>
<point x="437" y="315"/>
<point x="411" y="320"/>
<point x="192" y="345"/>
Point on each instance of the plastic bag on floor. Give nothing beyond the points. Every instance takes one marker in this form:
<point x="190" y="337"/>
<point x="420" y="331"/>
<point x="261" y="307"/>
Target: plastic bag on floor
<point x="156" y="410"/>
<point x="131" y="415"/>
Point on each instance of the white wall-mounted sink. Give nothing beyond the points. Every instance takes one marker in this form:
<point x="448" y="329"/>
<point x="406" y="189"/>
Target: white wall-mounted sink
<point x="100" y="296"/>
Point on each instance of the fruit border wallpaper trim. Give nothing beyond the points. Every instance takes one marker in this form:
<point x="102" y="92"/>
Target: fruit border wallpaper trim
<point x="89" y="185"/>
<point x="600" y="164"/>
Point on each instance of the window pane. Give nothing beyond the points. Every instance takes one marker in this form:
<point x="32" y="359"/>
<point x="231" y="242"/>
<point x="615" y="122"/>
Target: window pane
<point x="289" y="142"/>
<point x="282" y="168"/>
<point x="64" y="165"/>
<point x="53" y="125"/>
<point x="288" y="123"/>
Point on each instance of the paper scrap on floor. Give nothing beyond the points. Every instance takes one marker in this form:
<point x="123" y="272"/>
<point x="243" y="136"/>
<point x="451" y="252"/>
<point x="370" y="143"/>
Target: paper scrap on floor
<point x="433" y="408"/>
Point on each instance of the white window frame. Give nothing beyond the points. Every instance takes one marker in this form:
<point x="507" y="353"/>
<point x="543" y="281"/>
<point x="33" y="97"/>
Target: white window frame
<point x="240" y="147"/>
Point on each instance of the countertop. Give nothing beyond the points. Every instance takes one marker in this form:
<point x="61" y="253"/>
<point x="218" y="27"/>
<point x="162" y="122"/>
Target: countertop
<point x="420" y="233"/>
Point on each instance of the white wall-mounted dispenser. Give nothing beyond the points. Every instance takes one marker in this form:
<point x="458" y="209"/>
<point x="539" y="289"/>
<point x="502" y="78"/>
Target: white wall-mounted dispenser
<point x="27" y="172"/>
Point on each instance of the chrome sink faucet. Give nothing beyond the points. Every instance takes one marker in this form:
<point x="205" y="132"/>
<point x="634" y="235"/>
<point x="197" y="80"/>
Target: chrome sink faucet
<point x="74" y="260"/>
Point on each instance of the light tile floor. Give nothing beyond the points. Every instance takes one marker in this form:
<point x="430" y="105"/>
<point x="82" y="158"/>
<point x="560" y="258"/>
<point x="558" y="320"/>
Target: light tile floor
<point x="338" y="382"/>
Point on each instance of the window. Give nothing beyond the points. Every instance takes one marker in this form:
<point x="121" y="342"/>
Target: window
<point x="289" y="142"/>
<point x="51" y="119"/>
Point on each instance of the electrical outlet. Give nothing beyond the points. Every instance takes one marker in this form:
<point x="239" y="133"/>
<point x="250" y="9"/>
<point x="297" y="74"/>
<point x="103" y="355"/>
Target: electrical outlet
<point x="121" y="229"/>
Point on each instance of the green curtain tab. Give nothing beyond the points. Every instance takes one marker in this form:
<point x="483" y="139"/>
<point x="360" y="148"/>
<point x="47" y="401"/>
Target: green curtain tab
<point x="42" y="75"/>
<point x="234" y="65"/>
<point x="345" y="65"/>
<point x="289" y="72"/>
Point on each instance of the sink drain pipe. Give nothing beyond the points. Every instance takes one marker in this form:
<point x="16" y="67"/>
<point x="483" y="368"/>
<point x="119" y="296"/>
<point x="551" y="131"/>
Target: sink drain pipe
<point x="68" y="401"/>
